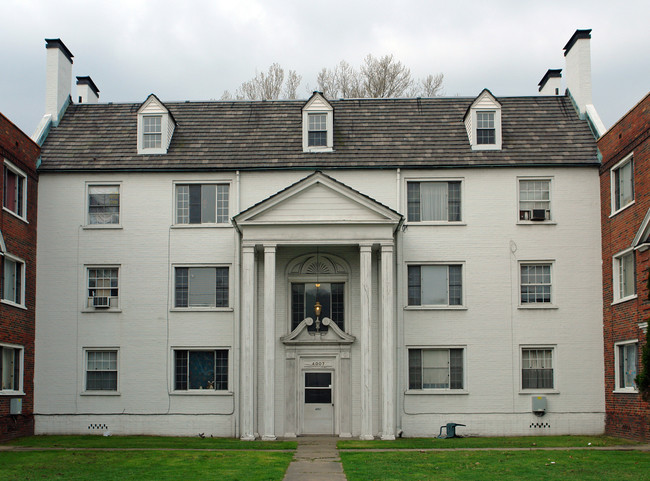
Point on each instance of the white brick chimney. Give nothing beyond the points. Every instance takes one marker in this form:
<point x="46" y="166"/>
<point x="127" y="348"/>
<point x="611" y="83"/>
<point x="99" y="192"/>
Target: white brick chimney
<point x="551" y="83"/>
<point x="577" y="55"/>
<point x="58" y="77"/>
<point x="87" y="91"/>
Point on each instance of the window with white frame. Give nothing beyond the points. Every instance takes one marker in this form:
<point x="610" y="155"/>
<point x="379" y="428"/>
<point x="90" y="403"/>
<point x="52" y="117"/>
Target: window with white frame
<point x="103" y="204"/>
<point x="11" y="368"/>
<point x="196" y="369"/>
<point x="435" y="285"/>
<point x="436" y="368"/>
<point x="622" y="184"/>
<point x="317" y="130"/>
<point x="202" y="203"/>
<point x="317" y="125"/>
<point x="152" y="131"/>
<point x="14" y="190"/>
<point x="434" y="201"/>
<point x="485" y="129"/>
<point x="103" y="287"/>
<point x="201" y="287"/>
<point x="626" y="365"/>
<point x="534" y="199"/>
<point x="101" y="370"/>
<point x="13" y="280"/>
<point x="535" y="284"/>
<point x="624" y="275"/>
<point x="537" y="368"/>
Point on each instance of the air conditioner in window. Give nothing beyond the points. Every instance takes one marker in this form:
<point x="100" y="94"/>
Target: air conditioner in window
<point x="538" y="214"/>
<point x="101" y="302"/>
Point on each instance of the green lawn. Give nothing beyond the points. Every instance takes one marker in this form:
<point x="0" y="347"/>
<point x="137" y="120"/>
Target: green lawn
<point x="143" y="465"/>
<point x="149" y="442"/>
<point x="582" y="465"/>
<point x="505" y="442"/>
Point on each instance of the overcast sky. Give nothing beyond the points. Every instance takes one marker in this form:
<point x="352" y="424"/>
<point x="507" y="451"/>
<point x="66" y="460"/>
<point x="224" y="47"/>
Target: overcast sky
<point x="197" y="49"/>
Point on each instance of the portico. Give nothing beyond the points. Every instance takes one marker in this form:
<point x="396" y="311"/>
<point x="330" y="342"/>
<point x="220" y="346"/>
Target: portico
<point x="304" y="373"/>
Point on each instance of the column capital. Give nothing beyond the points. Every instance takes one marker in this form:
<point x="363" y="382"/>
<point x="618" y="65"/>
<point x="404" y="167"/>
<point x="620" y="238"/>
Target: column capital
<point x="387" y="247"/>
<point x="248" y="248"/>
<point x="365" y="247"/>
<point x="270" y="247"/>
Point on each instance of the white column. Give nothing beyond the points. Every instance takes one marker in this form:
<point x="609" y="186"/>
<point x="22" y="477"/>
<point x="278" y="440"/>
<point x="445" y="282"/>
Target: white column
<point x="387" y="344"/>
<point x="269" y="343"/>
<point x="247" y="367"/>
<point x="365" y="342"/>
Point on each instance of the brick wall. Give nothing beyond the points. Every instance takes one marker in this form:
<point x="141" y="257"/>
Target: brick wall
<point x="627" y="415"/>
<point x="17" y="324"/>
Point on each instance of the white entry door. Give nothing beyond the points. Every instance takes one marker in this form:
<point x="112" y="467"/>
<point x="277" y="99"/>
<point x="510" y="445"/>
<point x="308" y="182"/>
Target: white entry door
<point x="318" y="412"/>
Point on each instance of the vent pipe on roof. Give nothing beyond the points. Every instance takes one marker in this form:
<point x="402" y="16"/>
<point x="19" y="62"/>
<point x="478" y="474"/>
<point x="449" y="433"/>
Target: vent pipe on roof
<point x="87" y="91"/>
<point x="577" y="54"/>
<point x="58" y="78"/>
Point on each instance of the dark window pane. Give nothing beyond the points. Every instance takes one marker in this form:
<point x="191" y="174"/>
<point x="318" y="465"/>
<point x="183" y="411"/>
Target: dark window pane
<point x="456" y="368"/>
<point x="182" y="283"/>
<point x="318" y="396"/>
<point x="414" y="286"/>
<point x="413" y="201"/>
<point x="180" y="370"/>
<point x="318" y="379"/>
<point x="201" y="369"/>
<point x="317" y="139"/>
<point x="415" y="369"/>
<point x="338" y="305"/>
<point x="454" y="201"/>
<point x="195" y="204"/>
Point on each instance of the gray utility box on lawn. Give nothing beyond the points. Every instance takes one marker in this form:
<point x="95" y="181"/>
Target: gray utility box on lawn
<point x="539" y="405"/>
<point x="16" y="406"/>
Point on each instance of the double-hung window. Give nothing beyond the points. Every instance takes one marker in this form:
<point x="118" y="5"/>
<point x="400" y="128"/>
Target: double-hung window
<point x="436" y="368"/>
<point x="11" y="366"/>
<point x="624" y="276"/>
<point x="537" y="368"/>
<point x="201" y="203"/>
<point x="14" y="190"/>
<point x="622" y="184"/>
<point x="103" y="287"/>
<point x="329" y="295"/>
<point x="200" y="370"/>
<point x="535" y="284"/>
<point x="535" y="200"/>
<point x="435" y="285"/>
<point x="103" y="204"/>
<point x="101" y="370"/>
<point x="152" y="131"/>
<point x="434" y="201"/>
<point x="201" y="287"/>
<point x="13" y="280"/>
<point x="317" y="130"/>
<point x="626" y="365"/>
<point x="485" y="129"/>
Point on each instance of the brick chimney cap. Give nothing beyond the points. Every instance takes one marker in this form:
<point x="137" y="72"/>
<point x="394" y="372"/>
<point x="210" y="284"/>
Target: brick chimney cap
<point x="579" y="34"/>
<point x="88" y="81"/>
<point x="550" y="73"/>
<point x="57" y="43"/>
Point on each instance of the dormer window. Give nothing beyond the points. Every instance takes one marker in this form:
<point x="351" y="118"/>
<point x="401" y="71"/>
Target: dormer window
<point x="317" y="125"/>
<point x="483" y="122"/>
<point x="155" y="127"/>
<point x="151" y="131"/>
<point x="485" y="132"/>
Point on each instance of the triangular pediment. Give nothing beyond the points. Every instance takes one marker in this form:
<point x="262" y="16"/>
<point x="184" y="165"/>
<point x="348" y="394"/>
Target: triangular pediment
<point x="318" y="199"/>
<point x="330" y="334"/>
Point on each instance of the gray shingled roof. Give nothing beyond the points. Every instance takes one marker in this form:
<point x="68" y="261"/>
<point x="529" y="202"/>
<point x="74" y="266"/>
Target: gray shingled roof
<point x="368" y="133"/>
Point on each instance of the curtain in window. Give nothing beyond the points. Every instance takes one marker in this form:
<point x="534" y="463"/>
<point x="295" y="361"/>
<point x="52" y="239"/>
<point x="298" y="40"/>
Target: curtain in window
<point x="434" y="200"/>
<point x="434" y="285"/>
<point x="435" y="369"/>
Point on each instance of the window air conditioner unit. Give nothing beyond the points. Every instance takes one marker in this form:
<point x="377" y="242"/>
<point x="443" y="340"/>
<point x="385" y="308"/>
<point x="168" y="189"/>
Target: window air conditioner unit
<point x="101" y="302"/>
<point x="538" y="214"/>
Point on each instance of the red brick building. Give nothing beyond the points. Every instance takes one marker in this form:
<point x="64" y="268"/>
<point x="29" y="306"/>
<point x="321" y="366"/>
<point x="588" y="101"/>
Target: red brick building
<point x="625" y="210"/>
<point x="18" y="188"/>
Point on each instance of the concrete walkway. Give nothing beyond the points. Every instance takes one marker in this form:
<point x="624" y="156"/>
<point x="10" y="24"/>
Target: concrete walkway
<point x="316" y="459"/>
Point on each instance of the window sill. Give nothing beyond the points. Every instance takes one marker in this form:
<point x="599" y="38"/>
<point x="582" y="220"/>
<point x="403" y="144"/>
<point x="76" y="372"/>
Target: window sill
<point x="621" y="209"/>
<point x="100" y="393"/>
<point x="539" y="391"/>
<point x="538" y="222"/>
<point x="102" y="226"/>
<point x="12" y="393"/>
<point x="626" y="390"/>
<point x="201" y="309"/>
<point x="88" y="310"/>
<point x="436" y="392"/>
<point x="624" y="299"/>
<point x="219" y="225"/>
<point x="13" y="304"/>
<point x="435" y="308"/>
<point x="24" y="219"/>
<point x="436" y="223"/>
<point x="201" y="392"/>
<point x="533" y="307"/>
<point x="318" y="150"/>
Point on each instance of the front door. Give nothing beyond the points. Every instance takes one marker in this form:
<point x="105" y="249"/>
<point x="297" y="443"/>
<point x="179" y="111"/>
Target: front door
<point x="318" y="412"/>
